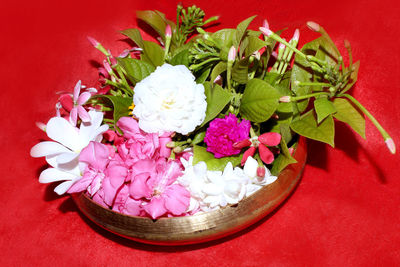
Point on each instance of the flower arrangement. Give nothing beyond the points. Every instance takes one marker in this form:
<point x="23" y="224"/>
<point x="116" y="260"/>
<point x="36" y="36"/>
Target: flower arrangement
<point x="199" y="120"/>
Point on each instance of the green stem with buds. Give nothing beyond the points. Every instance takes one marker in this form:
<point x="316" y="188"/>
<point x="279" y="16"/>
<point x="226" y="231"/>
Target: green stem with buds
<point x="384" y="134"/>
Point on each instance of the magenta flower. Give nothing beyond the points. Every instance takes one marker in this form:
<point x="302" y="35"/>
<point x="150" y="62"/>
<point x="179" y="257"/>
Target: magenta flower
<point x="74" y="104"/>
<point x="223" y="133"/>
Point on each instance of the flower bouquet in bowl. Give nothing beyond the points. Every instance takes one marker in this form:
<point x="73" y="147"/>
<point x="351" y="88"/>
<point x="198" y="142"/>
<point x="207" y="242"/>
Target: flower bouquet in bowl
<point x="200" y="134"/>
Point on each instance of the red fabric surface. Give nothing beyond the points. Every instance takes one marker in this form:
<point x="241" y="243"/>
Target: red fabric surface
<point x="345" y="212"/>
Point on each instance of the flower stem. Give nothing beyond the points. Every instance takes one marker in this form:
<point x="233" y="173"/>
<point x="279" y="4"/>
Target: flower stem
<point x="384" y="134"/>
<point x="301" y="97"/>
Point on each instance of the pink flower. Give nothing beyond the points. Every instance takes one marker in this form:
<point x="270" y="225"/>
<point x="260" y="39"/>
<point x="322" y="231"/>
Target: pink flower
<point x="74" y="104"/>
<point x="158" y="187"/>
<point x="102" y="173"/>
<point x="223" y="133"/>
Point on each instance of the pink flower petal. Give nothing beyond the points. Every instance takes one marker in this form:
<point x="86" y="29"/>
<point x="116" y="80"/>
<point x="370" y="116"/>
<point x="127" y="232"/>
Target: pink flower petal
<point x="177" y="199"/>
<point x="248" y="153"/>
<point x="96" y="155"/>
<point x="73" y="116"/>
<point x="83" y="98"/>
<point x="77" y="90"/>
<point x="270" y="139"/>
<point x="83" y="114"/>
<point x="156" y="207"/>
<point x="139" y="188"/>
<point x="129" y="126"/>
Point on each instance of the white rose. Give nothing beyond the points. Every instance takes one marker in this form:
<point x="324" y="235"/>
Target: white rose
<point x="169" y="100"/>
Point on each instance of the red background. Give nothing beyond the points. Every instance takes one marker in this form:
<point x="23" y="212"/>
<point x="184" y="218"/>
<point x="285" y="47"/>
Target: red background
<point x="345" y="212"/>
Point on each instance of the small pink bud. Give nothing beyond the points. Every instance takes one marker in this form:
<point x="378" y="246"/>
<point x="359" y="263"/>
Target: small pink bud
<point x="260" y="171"/>
<point x="113" y="61"/>
<point x="168" y="31"/>
<point x="284" y="99"/>
<point x="265" y="24"/>
<point x="249" y="152"/>
<point x="291" y="150"/>
<point x="93" y="41"/>
<point x="41" y="126"/>
<point x="218" y="80"/>
<point x="267" y="32"/>
<point x="274" y="54"/>
<point x="242" y="144"/>
<point x="313" y="26"/>
<point x="281" y="46"/>
<point x="232" y="54"/>
<point x="391" y="146"/>
<point x="107" y="66"/>
<point x="296" y="35"/>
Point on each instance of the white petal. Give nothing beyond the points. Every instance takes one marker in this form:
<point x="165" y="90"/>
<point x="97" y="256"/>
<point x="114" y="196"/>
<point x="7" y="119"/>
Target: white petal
<point x="53" y="175"/>
<point x="63" y="187"/>
<point x="62" y="131"/>
<point x="71" y="167"/>
<point x="47" y="148"/>
<point x="250" y="167"/>
<point x="212" y="189"/>
<point x="66" y="157"/>
<point x="271" y="179"/>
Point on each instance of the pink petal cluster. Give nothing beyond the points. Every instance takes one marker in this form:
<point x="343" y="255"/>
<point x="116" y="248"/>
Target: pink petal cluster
<point x="136" y="179"/>
<point x="223" y="133"/>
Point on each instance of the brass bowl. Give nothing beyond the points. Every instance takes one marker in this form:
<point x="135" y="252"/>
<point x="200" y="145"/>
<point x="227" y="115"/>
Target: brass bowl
<point x="201" y="227"/>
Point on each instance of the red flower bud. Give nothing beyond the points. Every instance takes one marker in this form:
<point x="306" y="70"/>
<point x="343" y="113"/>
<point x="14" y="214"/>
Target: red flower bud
<point x="270" y="139"/>
<point x="242" y="144"/>
<point x="261" y="171"/>
<point x="265" y="154"/>
<point x="249" y="152"/>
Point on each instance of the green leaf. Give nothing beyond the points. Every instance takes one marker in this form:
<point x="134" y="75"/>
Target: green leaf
<point x="213" y="164"/>
<point x="349" y="114"/>
<point x="204" y="75"/>
<point x="353" y="77"/>
<point x="323" y="108"/>
<point x="181" y="58"/>
<point x="153" y="53"/>
<point x="283" y="159"/>
<point x="241" y="30"/>
<point x="136" y="70"/>
<point x="259" y="101"/>
<point x="225" y="39"/>
<point x="307" y="126"/>
<point x="121" y="106"/>
<point x="254" y="45"/>
<point x="240" y="71"/>
<point x="134" y="35"/>
<point x="217" y="98"/>
<point x="154" y="19"/>
<point x="199" y="137"/>
<point x="217" y="70"/>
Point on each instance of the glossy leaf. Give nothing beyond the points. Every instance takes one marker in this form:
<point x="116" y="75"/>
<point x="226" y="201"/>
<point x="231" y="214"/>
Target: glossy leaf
<point x="323" y="108"/>
<point x="198" y="138"/>
<point x="254" y="45"/>
<point x="225" y="38"/>
<point x="154" y="19"/>
<point x="241" y="30"/>
<point x="121" y="106"/>
<point x="308" y="126"/>
<point x="240" y="71"/>
<point x="349" y="114"/>
<point x="134" y="35"/>
<point x="259" y="101"/>
<point x="283" y="160"/>
<point x="136" y="70"/>
<point x="217" y="98"/>
<point x="153" y="53"/>
<point x="181" y="58"/>
<point x="217" y="70"/>
<point x="203" y="76"/>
